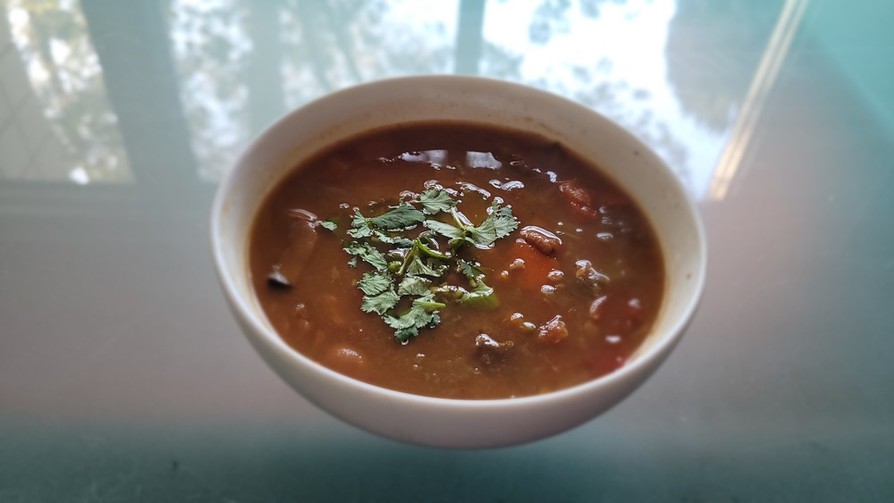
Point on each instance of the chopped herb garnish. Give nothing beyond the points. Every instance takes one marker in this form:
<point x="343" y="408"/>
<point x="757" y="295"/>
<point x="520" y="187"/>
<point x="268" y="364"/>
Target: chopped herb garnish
<point x="367" y="253"/>
<point x="435" y="201"/>
<point x="411" y="253"/>
<point x="400" y="217"/>
<point x="425" y="267"/>
<point x="446" y="230"/>
<point x="380" y="303"/>
<point x="422" y="314"/>
<point x="329" y="224"/>
<point x="470" y="270"/>
<point x="481" y="295"/>
<point x="360" y="227"/>
<point x="374" y="283"/>
<point x="414" y="285"/>
<point x="499" y="223"/>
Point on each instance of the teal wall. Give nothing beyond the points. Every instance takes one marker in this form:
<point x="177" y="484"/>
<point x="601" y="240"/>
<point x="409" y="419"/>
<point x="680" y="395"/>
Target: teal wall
<point x="859" y="37"/>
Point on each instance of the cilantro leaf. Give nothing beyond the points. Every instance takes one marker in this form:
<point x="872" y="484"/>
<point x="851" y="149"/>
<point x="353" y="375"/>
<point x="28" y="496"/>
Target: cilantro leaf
<point x="446" y="230"/>
<point x="435" y="201"/>
<point x="481" y="296"/>
<point x="360" y="232"/>
<point x="358" y="220"/>
<point x="405" y="334"/>
<point x="359" y="226"/>
<point x="380" y="303"/>
<point x="398" y="241"/>
<point x="374" y="283"/>
<point x="423" y="313"/>
<point x="400" y="217"/>
<point x="367" y="253"/>
<point x="413" y="285"/>
<point x="503" y="220"/>
<point x="419" y="267"/>
<point x="470" y="270"/>
<point x="484" y="234"/>
<point x="402" y="322"/>
<point x="499" y="223"/>
<point x="329" y="224"/>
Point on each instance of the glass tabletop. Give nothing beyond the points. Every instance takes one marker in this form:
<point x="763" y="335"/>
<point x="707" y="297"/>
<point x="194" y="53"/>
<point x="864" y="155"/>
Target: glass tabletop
<point x="123" y="376"/>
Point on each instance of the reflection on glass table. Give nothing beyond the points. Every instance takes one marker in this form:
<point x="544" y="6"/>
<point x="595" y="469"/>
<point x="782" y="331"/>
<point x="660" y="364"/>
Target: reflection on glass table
<point x="215" y="73"/>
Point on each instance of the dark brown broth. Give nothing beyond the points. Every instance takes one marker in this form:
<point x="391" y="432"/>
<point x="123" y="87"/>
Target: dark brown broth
<point x="369" y="171"/>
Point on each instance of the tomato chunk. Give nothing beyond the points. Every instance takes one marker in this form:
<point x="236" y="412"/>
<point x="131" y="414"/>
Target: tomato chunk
<point x="617" y="314"/>
<point x="533" y="274"/>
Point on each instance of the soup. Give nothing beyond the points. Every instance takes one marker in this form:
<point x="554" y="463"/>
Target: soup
<point x="456" y="260"/>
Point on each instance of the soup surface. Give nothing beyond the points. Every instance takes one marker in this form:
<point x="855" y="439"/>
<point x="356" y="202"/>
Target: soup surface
<point x="456" y="260"/>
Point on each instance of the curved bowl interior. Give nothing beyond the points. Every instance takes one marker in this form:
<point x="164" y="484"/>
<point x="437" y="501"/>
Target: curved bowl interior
<point x="444" y="422"/>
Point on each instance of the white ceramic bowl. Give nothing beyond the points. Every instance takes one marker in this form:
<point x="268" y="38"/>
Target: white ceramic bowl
<point x="438" y="421"/>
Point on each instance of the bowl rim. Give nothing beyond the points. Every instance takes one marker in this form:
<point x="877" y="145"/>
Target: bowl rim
<point x="667" y="339"/>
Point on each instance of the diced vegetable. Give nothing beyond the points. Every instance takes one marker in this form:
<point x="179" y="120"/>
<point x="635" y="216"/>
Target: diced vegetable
<point x="543" y="240"/>
<point x="553" y="331"/>
<point x="588" y="276"/>
<point x="489" y="352"/>
<point x="537" y="267"/>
